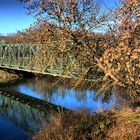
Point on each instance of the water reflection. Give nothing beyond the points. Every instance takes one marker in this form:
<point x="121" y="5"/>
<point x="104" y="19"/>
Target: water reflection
<point x="22" y="115"/>
<point x="65" y="96"/>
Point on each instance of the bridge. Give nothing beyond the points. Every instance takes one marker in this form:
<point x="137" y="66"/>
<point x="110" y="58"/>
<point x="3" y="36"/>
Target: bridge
<point x="27" y="57"/>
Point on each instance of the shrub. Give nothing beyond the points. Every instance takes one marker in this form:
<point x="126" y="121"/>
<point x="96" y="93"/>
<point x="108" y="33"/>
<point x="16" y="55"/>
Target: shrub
<point x="121" y="63"/>
<point x="76" y="126"/>
<point x="127" y="125"/>
<point x="80" y="125"/>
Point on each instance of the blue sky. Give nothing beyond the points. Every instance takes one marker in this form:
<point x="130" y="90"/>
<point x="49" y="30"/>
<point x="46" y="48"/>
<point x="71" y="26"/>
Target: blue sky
<point x="13" y="15"/>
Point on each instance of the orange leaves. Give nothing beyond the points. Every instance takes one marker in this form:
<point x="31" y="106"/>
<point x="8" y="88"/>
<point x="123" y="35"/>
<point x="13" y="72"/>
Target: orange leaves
<point x="122" y="63"/>
<point x="119" y="59"/>
<point x="127" y="15"/>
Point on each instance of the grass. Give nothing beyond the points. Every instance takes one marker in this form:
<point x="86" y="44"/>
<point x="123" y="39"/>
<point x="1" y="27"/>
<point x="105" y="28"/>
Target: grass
<point x="81" y="125"/>
<point x="6" y="76"/>
<point x="127" y="125"/>
<point x="78" y="125"/>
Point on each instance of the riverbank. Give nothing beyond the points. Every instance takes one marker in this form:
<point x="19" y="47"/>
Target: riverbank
<point x="6" y="76"/>
<point x="65" y="125"/>
<point x="80" y="125"/>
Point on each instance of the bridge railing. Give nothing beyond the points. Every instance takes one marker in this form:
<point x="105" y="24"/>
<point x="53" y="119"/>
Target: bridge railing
<point x="28" y="57"/>
<point x="25" y="56"/>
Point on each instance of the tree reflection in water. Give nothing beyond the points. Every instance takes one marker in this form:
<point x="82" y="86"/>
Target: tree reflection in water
<point x="65" y="96"/>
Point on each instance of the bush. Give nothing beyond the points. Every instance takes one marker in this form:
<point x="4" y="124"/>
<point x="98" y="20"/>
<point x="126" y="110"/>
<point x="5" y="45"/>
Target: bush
<point x="76" y="126"/>
<point x="80" y="125"/>
<point x="127" y="125"/>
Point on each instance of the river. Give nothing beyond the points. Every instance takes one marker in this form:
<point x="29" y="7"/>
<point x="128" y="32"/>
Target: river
<point x="46" y="89"/>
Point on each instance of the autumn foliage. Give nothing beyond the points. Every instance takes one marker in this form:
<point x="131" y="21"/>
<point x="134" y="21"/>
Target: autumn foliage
<point x="113" y="57"/>
<point x="122" y="62"/>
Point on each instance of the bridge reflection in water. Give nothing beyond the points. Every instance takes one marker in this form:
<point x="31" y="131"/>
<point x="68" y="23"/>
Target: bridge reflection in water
<point x="24" y="116"/>
<point x="31" y="116"/>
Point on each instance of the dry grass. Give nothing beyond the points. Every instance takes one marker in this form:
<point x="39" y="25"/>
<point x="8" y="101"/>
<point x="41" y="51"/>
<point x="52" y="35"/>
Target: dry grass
<point x="112" y="125"/>
<point x="6" y="76"/>
<point x="76" y="126"/>
<point x="127" y="126"/>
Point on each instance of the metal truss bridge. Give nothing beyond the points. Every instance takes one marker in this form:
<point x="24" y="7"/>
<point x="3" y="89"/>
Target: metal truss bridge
<point x="26" y="57"/>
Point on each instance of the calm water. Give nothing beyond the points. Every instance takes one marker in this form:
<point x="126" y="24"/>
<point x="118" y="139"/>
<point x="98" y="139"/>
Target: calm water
<point x="31" y="120"/>
<point x="21" y="115"/>
<point x="66" y="97"/>
<point x="8" y="131"/>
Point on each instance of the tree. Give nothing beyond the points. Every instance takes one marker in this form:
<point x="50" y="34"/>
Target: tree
<point x="121" y="63"/>
<point x="81" y="16"/>
<point x="76" y="20"/>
